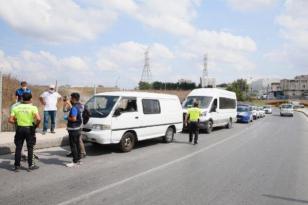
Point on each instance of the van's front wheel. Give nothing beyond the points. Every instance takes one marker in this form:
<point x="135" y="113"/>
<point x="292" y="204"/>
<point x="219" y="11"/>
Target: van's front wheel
<point x="209" y="127"/>
<point x="127" y="142"/>
<point x="229" y="125"/>
<point x="169" y="136"/>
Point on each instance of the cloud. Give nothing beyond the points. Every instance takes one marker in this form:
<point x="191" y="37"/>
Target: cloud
<point x="294" y="31"/>
<point x="56" y="21"/>
<point x="43" y="67"/>
<point x="126" y="60"/>
<point x="249" y="5"/>
<point x="293" y="22"/>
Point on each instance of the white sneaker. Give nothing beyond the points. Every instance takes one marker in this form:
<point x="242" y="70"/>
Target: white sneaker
<point x="71" y="165"/>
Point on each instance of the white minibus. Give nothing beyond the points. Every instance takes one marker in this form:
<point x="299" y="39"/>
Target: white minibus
<point x="218" y="107"/>
<point x="127" y="117"/>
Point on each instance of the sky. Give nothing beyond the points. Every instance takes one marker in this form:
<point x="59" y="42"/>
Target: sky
<point x="102" y="42"/>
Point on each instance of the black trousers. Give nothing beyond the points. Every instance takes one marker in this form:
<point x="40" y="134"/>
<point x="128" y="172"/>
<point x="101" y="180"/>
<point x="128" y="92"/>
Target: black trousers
<point x="22" y="134"/>
<point x="193" y="130"/>
<point x="74" y="137"/>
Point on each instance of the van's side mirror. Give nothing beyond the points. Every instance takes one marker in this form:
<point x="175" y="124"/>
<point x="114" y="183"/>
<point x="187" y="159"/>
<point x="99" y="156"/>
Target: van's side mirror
<point x="117" y="112"/>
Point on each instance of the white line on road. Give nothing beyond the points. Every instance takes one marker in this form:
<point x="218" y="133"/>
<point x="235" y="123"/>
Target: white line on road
<point x="97" y="191"/>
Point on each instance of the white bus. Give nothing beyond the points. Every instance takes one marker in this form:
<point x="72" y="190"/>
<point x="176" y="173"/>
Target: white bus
<point x="127" y="117"/>
<point x="218" y="107"/>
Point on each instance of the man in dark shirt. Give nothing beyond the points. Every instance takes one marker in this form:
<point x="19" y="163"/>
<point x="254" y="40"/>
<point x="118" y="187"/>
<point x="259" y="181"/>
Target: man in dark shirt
<point x="20" y="91"/>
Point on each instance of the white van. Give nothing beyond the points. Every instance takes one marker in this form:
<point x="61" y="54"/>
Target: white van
<point x="127" y="117"/>
<point x="218" y="107"/>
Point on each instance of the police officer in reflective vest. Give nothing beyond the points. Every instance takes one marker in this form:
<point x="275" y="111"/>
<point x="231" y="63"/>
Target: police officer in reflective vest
<point x="27" y="118"/>
<point x="192" y="117"/>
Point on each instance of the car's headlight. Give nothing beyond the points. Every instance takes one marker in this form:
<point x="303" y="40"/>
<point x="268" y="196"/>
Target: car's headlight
<point x="100" y="127"/>
<point x="203" y="114"/>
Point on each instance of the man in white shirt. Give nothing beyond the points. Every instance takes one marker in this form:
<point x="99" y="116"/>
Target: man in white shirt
<point x="50" y="99"/>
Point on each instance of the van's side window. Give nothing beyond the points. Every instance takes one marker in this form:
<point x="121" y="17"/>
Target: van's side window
<point x="128" y="105"/>
<point x="214" y="106"/>
<point x="227" y="103"/>
<point x="150" y="106"/>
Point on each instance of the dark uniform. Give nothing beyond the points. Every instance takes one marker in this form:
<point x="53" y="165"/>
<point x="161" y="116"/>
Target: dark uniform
<point x="194" y="114"/>
<point x="25" y="129"/>
<point x="74" y="131"/>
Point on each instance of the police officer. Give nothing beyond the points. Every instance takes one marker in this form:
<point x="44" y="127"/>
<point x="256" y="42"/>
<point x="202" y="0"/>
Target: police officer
<point x="20" y="91"/>
<point x="27" y="118"/>
<point x="74" y="123"/>
<point x="192" y="118"/>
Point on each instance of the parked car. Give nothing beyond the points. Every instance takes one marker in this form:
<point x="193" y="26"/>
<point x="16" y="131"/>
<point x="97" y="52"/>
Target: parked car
<point x="218" y="107"/>
<point x="261" y="111"/>
<point x="268" y="109"/>
<point x="127" y="117"/>
<point x="286" y="110"/>
<point x="244" y="114"/>
<point x="255" y="112"/>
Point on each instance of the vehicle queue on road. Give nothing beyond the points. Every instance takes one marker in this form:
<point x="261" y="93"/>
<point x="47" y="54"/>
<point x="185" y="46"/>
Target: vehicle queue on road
<point x="124" y="118"/>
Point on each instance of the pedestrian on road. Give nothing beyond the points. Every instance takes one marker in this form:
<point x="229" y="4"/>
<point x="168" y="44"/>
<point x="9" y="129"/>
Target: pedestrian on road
<point x="50" y="99"/>
<point x="74" y="123"/>
<point x="192" y="119"/>
<point x="27" y="118"/>
<point x="20" y="91"/>
<point x="67" y="106"/>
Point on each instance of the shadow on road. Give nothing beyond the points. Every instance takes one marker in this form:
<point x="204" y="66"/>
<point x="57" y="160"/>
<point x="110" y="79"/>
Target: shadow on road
<point x="286" y="199"/>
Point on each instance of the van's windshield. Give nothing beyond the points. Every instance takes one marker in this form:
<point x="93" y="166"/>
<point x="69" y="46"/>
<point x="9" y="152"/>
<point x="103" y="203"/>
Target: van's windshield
<point x="286" y="106"/>
<point x="243" y="109"/>
<point x="101" y="106"/>
<point x="203" y="101"/>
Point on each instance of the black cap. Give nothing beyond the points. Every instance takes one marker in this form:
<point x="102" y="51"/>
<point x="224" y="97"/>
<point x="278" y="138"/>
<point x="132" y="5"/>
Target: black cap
<point x="26" y="97"/>
<point x="76" y="96"/>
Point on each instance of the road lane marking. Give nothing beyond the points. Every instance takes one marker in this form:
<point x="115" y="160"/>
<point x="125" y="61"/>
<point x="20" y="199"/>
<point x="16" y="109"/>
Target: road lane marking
<point x="97" y="191"/>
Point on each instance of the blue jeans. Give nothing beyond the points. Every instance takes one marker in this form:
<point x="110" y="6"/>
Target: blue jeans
<point x="52" y="115"/>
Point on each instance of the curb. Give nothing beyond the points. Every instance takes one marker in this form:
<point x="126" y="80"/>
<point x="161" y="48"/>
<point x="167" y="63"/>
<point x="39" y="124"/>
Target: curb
<point x="306" y="114"/>
<point x="9" y="148"/>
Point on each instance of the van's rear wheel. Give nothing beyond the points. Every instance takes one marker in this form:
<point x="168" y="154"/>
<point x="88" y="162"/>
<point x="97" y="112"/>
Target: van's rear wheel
<point x="209" y="127"/>
<point x="169" y="136"/>
<point x="229" y="125"/>
<point x="127" y="142"/>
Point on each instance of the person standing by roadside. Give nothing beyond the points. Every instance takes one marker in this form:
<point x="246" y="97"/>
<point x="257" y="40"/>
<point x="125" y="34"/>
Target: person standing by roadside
<point x="192" y="117"/>
<point x="50" y="99"/>
<point x="20" y="91"/>
<point x="74" y="123"/>
<point x="27" y="118"/>
<point x="67" y="106"/>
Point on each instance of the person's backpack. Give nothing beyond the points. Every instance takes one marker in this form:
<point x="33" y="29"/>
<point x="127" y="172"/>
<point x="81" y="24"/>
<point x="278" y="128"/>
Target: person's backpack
<point x="85" y="115"/>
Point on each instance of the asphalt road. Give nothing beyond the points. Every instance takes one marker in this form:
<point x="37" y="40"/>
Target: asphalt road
<point x="265" y="162"/>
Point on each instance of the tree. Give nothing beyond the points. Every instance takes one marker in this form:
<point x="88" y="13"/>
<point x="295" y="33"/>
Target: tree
<point x="240" y="87"/>
<point x="144" y="86"/>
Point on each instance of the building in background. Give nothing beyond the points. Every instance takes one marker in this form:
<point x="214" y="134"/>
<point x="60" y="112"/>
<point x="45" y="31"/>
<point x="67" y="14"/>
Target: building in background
<point x="295" y="88"/>
<point x="261" y="87"/>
